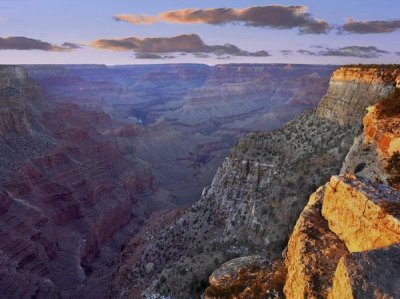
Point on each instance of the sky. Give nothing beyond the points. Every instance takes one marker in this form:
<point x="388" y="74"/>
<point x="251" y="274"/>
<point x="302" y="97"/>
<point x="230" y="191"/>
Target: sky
<point x="212" y="32"/>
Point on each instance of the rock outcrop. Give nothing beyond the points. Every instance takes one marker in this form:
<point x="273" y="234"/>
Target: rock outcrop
<point x="381" y="125"/>
<point x="313" y="253"/>
<point x="374" y="152"/>
<point x="247" y="277"/>
<point x="364" y="215"/>
<point x="354" y="220"/>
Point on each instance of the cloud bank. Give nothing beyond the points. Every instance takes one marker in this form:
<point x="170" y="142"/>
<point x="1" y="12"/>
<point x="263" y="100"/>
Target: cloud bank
<point x="25" y="43"/>
<point x="274" y="16"/>
<point x="351" y="51"/>
<point x="186" y="43"/>
<point x="368" y="27"/>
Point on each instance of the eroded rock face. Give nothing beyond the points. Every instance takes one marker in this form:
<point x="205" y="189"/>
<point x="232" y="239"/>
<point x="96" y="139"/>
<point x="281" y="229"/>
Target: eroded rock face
<point x="372" y="154"/>
<point x="364" y="215"/>
<point x="356" y="87"/>
<point x="368" y="274"/>
<point x="313" y="253"/>
<point x="247" y="277"/>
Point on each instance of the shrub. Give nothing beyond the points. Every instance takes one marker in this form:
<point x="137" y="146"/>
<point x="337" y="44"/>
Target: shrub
<point x="393" y="168"/>
<point x="390" y="106"/>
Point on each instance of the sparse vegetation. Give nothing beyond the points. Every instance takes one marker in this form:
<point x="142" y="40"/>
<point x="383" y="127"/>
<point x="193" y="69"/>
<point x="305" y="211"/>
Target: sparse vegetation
<point x="393" y="168"/>
<point x="390" y="106"/>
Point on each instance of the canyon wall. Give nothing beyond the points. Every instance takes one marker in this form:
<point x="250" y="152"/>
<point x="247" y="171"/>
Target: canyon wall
<point x="66" y="191"/>
<point x="356" y="87"/>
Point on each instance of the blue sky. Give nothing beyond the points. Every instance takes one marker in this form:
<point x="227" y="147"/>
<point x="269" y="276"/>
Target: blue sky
<point x="84" y="21"/>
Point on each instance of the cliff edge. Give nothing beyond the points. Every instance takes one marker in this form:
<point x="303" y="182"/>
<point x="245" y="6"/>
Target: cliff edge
<point x="352" y="89"/>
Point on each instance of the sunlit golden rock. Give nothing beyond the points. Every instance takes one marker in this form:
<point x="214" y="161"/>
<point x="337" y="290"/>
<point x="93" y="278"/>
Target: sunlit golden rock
<point x="313" y="253"/>
<point x="371" y="75"/>
<point x="364" y="215"/>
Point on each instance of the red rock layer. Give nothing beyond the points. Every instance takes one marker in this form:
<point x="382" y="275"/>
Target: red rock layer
<point x="68" y="190"/>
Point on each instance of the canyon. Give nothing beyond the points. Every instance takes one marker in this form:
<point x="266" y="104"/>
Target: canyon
<point x="67" y="191"/>
<point x="190" y="181"/>
<point x="96" y="159"/>
<point x="184" y="119"/>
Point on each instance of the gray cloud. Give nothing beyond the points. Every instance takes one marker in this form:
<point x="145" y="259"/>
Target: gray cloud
<point x="397" y="53"/>
<point x="25" y="43"/>
<point x="187" y="43"/>
<point x="287" y="52"/>
<point x="224" y="57"/>
<point x="202" y="55"/>
<point x="71" y="46"/>
<point x="274" y="16"/>
<point x="351" y="51"/>
<point x="152" y="56"/>
<point x="367" y="27"/>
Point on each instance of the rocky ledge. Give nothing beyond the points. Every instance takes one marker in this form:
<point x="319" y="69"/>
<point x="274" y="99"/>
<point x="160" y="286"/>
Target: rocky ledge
<point x="247" y="277"/>
<point x="337" y="248"/>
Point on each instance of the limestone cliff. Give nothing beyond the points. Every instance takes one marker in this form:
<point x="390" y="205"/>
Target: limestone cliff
<point x="356" y="88"/>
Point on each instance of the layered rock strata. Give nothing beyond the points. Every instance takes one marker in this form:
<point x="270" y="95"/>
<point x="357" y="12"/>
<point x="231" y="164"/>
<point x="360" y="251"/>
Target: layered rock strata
<point x="356" y="87"/>
<point x="66" y="192"/>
